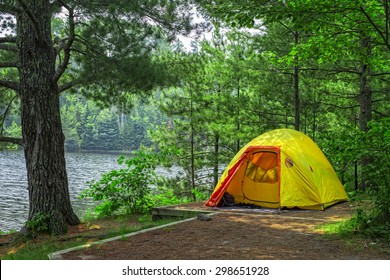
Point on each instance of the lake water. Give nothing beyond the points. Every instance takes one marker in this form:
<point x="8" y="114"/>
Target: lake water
<point x="81" y="167"/>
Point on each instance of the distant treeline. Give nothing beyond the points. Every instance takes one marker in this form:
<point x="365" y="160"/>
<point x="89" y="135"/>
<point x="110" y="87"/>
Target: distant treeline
<point x="89" y="127"/>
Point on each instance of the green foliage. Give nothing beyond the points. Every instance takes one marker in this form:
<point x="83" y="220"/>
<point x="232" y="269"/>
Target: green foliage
<point x="173" y="191"/>
<point x="123" y="43"/>
<point x="375" y="144"/>
<point x="130" y="190"/>
<point x="361" y="224"/>
<point x="165" y="197"/>
<point x="200" y="194"/>
<point x="368" y="223"/>
<point x="13" y="130"/>
<point x="7" y="232"/>
<point x="127" y="189"/>
<point x="39" y="223"/>
<point x="376" y="147"/>
<point x="372" y="218"/>
<point x="345" y="228"/>
<point x="9" y="119"/>
<point x="89" y="127"/>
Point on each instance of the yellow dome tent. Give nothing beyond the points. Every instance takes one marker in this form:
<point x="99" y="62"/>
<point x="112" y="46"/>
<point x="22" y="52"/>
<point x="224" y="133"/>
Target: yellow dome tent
<point x="280" y="168"/>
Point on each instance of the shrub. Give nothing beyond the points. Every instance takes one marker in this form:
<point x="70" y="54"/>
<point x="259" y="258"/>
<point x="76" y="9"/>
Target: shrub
<point x="127" y="189"/>
<point x="373" y="219"/>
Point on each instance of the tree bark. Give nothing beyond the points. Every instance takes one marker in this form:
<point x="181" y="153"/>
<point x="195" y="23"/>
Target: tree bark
<point x="297" y="105"/>
<point x="12" y="140"/>
<point x="43" y="140"/>
<point x="365" y="98"/>
<point x="192" y="143"/>
<point x="365" y="101"/>
<point x="216" y="159"/>
<point x="238" y="117"/>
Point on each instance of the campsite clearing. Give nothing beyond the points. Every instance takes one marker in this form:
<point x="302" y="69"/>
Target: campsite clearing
<point x="231" y="235"/>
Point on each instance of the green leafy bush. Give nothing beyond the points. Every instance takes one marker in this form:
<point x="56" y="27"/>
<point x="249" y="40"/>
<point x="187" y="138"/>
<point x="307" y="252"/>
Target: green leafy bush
<point x="39" y="223"/>
<point x="167" y="197"/>
<point x="373" y="219"/>
<point x="136" y="188"/>
<point x="175" y="190"/>
<point x="127" y="189"/>
<point x="377" y="149"/>
<point x="200" y="194"/>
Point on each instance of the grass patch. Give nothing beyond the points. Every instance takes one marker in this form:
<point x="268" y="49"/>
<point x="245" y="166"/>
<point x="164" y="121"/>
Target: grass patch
<point x="14" y="247"/>
<point x="358" y="227"/>
<point x="351" y="232"/>
<point x="343" y="229"/>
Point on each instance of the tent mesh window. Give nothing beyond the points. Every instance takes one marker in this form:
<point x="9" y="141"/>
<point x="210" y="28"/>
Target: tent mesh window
<point x="263" y="167"/>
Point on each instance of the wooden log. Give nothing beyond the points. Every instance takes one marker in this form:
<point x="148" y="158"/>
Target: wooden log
<point x="172" y="212"/>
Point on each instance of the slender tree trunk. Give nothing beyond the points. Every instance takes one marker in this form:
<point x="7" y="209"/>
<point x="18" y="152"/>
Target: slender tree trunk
<point x="287" y="112"/>
<point x="192" y="143"/>
<point x="365" y="98"/>
<point x="314" y="123"/>
<point x="355" y="164"/>
<point x="365" y="101"/>
<point x="216" y="159"/>
<point x="305" y="120"/>
<point x="238" y="144"/>
<point x="296" y="87"/>
<point x="43" y="139"/>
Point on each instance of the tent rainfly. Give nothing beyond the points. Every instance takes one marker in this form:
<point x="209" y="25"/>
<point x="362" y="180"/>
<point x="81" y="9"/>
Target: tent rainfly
<point x="282" y="168"/>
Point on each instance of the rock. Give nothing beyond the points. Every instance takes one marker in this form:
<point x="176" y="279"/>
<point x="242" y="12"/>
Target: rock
<point x="204" y="217"/>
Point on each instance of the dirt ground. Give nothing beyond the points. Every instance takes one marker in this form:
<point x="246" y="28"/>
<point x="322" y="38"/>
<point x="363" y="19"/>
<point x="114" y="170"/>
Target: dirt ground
<point x="230" y="235"/>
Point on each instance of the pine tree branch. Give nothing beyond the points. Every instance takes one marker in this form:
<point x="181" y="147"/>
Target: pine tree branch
<point x="381" y="114"/>
<point x="9" y="9"/>
<point x="7" y="39"/>
<point x="340" y="107"/>
<point x="381" y="74"/>
<point x="13" y="140"/>
<point x="8" y="64"/>
<point x="10" y="85"/>
<point x="63" y="4"/>
<point x="68" y="85"/>
<point x="7" y="47"/>
<point x="67" y="47"/>
<point x="5" y="115"/>
<point x="383" y="36"/>
<point x="154" y="18"/>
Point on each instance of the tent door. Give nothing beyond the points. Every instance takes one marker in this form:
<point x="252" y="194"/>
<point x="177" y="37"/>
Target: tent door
<point x="261" y="179"/>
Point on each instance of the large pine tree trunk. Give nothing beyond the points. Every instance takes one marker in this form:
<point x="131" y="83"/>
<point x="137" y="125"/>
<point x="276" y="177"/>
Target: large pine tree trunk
<point x="43" y="139"/>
